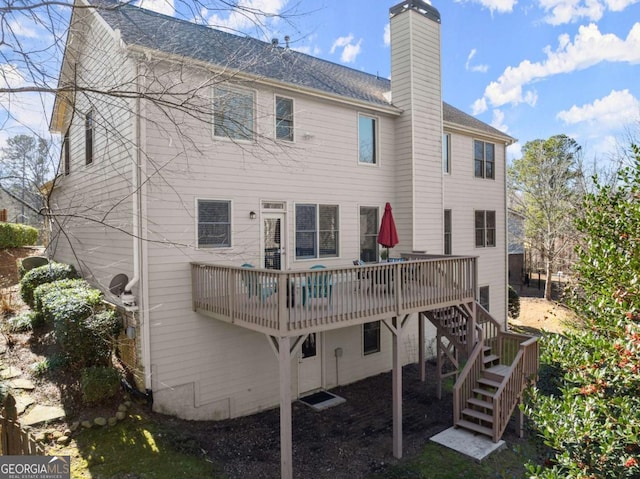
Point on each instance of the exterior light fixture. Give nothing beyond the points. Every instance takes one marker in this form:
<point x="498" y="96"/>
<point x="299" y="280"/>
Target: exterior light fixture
<point x="252" y="215"/>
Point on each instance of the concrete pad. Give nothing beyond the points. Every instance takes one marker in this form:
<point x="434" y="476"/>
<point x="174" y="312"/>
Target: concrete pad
<point x="476" y="446"/>
<point x="42" y="414"/>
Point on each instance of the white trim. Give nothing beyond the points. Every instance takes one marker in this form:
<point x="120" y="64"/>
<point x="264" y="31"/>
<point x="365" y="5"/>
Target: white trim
<point x="275" y="119"/>
<point x="197" y="222"/>
<point x="376" y="140"/>
<point x="232" y="87"/>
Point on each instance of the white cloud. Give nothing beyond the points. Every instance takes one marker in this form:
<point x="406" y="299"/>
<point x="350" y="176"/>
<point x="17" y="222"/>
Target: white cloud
<point x="165" y="7"/>
<point x="498" y="121"/>
<point x="350" y="50"/>
<point x="479" y="106"/>
<point x="501" y="6"/>
<point x="590" y="47"/>
<point x="21" y="30"/>
<point x="619" y="5"/>
<point x="611" y="112"/>
<point x="514" y="151"/>
<point x="474" y="68"/>
<point x="248" y="14"/>
<point x="387" y="34"/>
<point x="570" y="11"/>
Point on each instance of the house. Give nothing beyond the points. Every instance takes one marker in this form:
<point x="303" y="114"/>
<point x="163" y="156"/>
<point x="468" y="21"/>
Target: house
<point x="205" y="174"/>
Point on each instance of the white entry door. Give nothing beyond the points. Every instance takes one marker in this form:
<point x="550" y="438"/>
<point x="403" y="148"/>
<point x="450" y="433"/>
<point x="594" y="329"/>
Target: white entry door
<point x="310" y="364"/>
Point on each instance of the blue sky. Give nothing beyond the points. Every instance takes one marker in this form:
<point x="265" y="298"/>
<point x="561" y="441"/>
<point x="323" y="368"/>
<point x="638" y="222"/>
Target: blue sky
<point x="532" y="68"/>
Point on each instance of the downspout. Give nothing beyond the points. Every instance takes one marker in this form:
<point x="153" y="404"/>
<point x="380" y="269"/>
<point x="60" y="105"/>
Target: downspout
<point x="138" y="239"/>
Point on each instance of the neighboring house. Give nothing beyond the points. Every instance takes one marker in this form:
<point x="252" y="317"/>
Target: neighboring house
<point x="516" y="249"/>
<point x="223" y="150"/>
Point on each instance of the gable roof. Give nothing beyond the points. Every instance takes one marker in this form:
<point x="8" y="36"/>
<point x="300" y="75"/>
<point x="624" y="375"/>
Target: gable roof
<point x="154" y="31"/>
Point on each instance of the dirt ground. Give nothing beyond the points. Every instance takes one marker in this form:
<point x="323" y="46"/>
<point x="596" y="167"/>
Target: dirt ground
<point x="352" y="440"/>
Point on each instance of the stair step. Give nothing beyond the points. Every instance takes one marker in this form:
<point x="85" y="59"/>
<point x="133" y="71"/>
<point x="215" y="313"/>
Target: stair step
<point x="499" y="369"/>
<point x="480" y="403"/>
<point x="484" y="392"/>
<point x="489" y="382"/>
<point x="490" y="358"/>
<point x="477" y="415"/>
<point x="472" y="426"/>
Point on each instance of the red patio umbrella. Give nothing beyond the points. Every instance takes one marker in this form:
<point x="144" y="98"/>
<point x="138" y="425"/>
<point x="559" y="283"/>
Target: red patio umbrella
<point x="388" y="236"/>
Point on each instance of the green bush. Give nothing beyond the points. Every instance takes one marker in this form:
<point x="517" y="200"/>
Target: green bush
<point x="24" y="321"/>
<point x="588" y="412"/>
<point x="14" y="235"/>
<point x="61" y="284"/>
<point x="99" y="383"/>
<point x="44" y="274"/>
<point x="514" y="303"/>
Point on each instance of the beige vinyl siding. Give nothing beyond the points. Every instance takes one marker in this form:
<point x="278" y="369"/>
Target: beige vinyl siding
<point x="464" y="194"/>
<point x="415" y="77"/>
<point x="94" y="201"/>
<point x="226" y="370"/>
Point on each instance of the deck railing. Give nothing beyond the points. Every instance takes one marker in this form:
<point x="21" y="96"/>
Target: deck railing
<point x="297" y="302"/>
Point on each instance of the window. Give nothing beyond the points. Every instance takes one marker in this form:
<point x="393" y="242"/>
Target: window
<point x="214" y="224"/>
<point x="317" y="231"/>
<point x="367" y="140"/>
<point x="371" y="338"/>
<point x="485" y="228"/>
<point x="447" y="231"/>
<point x="485" y="159"/>
<point x="88" y="138"/>
<point x="368" y="234"/>
<point x="483" y="298"/>
<point x="66" y="158"/>
<point x="284" y="119"/>
<point x="233" y="115"/>
<point x="446" y="153"/>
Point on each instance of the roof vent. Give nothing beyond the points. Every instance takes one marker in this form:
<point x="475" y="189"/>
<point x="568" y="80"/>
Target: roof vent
<point x="274" y="42"/>
<point x="286" y="41"/>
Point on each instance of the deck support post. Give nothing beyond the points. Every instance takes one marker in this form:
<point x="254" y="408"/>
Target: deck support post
<point x="397" y="389"/>
<point x="286" y="443"/>
<point x="421" y="352"/>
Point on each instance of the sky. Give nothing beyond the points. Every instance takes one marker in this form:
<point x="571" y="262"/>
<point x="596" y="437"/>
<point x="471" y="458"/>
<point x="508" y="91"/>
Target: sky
<point x="531" y="68"/>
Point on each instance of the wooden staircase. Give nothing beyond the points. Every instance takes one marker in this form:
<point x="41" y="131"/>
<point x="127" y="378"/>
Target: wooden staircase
<point x="499" y="367"/>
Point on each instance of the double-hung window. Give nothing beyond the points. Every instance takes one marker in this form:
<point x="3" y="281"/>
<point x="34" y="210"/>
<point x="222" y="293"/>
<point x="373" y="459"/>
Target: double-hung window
<point x="368" y="234"/>
<point x="483" y="297"/>
<point x="484" y="155"/>
<point x="446" y="153"/>
<point x="214" y="224"/>
<point x="317" y="231"/>
<point x="66" y="154"/>
<point x="233" y="113"/>
<point x="371" y="337"/>
<point x="447" y="232"/>
<point x="367" y="140"/>
<point x="284" y="119"/>
<point x="88" y="138"/>
<point x="485" y="225"/>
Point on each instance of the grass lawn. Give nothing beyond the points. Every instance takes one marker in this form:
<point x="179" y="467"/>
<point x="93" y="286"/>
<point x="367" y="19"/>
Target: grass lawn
<point x="439" y="462"/>
<point x="135" y="446"/>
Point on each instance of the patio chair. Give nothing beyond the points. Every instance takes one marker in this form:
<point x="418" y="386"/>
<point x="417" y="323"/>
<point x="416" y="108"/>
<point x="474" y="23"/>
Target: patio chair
<point x="317" y="286"/>
<point x="257" y="287"/>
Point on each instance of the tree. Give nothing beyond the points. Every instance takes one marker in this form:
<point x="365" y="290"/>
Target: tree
<point x="36" y="35"/>
<point x="545" y="185"/>
<point x="590" y="416"/>
<point x="26" y="167"/>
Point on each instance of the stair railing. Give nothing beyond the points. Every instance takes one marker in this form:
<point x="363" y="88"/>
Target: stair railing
<point x="523" y="369"/>
<point x="468" y="378"/>
<point x="518" y="351"/>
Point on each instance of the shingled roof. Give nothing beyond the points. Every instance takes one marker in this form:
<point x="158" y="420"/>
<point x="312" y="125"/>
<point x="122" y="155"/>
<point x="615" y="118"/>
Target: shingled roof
<point x="154" y="31"/>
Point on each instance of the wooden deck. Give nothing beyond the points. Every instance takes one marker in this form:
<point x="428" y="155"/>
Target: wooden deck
<point x="294" y="303"/>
